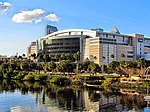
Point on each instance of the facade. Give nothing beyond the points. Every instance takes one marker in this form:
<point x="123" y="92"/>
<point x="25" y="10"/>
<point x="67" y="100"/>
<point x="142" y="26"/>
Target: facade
<point x="2" y="57"/>
<point x="96" y="45"/>
<point x="31" y="49"/>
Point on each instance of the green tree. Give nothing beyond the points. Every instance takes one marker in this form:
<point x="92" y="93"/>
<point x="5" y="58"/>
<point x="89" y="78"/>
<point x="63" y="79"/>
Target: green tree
<point x="45" y="67"/>
<point x="23" y="55"/>
<point x="95" y="58"/>
<point x="114" y="66"/>
<point x="33" y="56"/>
<point x="112" y="56"/>
<point x="103" y="58"/>
<point x="77" y="56"/>
<point x="69" y="57"/>
<point x="40" y="57"/>
<point x="141" y="62"/>
<point x="57" y="57"/>
<point x="20" y="57"/>
<point x="39" y="66"/>
<point x="122" y="56"/>
<point x="86" y="64"/>
<point x="46" y="58"/>
<point x="52" y="66"/>
<point x="63" y="56"/>
<point x="93" y="67"/>
<point x="65" y="66"/>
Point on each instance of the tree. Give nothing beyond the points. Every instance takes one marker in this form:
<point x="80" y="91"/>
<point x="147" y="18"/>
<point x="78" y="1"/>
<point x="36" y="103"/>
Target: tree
<point x="63" y="56"/>
<point x="38" y="66"/>
<point x="63" y="66"/>
<point x="20" y="57"/>
<point x="95" y="58"/>
<point x="86" y="64"/>
<point x="103" y="58"/>
<point x="57" y="57"/>
<point x="15" y="57"/>
<point x="33" y="56"/>
<point x="114" y="65"/>
<point x="69" y="56"/>
<point x="52" y="66"/>
<point x="45" y="67"/>
<point x="122" y="56"/>
<point x="141" y="63"/>
<point x="112" y="56"/>
<point x="46" y="58"/>
<point x="23" y="55"/>
<point x="93" y="67"/>
<point x="77" y="56"/>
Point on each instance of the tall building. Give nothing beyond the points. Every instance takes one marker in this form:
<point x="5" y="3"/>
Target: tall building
<point x="96" y="45"/>
<point x="50" y="29"/>
<point x="31" y="50"/>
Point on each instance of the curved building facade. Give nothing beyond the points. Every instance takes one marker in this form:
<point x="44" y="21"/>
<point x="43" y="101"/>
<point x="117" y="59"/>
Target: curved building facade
<point x="95" y="44"/>
<point x="65" y="41"/>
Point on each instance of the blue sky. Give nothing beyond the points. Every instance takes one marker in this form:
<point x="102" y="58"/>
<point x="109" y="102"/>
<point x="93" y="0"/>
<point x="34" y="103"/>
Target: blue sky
<point x="23" y="21"/>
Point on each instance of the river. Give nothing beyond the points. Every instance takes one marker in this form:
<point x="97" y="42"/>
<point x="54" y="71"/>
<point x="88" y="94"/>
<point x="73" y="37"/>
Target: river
<point x="17" y="96"/>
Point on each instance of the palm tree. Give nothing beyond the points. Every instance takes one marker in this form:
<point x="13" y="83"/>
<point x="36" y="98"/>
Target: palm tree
<point x="63" y="56"/>
<point x="20" y="57"/>
<point x="77" y="56"/>
<point x="103" y="58"/>
<point x="122" y="56"/>
<point x="33" y="56"/>
<point x="112" y="56"/>
<point x="46" y="58"/>
<point x="52" y="66"/>
<point x="141" y="63"/>
<point x="39" y="57"/>
<point x="23" y="55"/>
<point x="57" y="57"/>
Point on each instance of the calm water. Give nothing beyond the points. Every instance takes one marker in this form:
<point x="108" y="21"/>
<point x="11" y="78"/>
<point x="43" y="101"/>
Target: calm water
<point x="37" y="97"/>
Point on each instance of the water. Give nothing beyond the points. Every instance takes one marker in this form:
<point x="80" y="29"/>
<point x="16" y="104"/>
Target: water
<point x="18" y="96"/>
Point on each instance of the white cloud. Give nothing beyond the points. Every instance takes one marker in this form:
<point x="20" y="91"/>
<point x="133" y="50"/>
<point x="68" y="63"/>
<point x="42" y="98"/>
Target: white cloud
<point x="35" y="15"/>
<point x="4" y="7"/>
<point x="52" y="17"/>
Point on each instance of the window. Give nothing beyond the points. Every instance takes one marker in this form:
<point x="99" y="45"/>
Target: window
<point x="113" y="36"/>
<point x="129" y="56"/>
<point x="69" y="33"/>
<point x="106" y="35"/>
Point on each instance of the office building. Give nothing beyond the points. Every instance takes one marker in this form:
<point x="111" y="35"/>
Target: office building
<point x="31" y="50"/>
<point x="96" y="45"/>
<point x="50" y="29"/>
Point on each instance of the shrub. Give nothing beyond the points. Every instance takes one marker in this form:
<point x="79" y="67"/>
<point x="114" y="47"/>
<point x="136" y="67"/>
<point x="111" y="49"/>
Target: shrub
<point x="29" y="77"/>
<point x="39" y="77"/>
<point x="20" y="75"/>
<point x="60" y="80"/>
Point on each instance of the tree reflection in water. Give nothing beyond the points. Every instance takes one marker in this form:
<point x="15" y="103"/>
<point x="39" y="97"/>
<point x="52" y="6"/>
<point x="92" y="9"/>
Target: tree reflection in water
<point x="68" y="98"/>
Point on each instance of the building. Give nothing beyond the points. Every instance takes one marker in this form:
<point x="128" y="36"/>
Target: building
<point x="50" y="29"/>
<point x="3" y="57"/>
<point x="31" y="49"/>
<point x="96" y="45"/>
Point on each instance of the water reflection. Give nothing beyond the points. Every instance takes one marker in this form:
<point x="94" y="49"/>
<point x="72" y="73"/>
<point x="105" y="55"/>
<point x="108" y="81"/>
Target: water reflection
<point x="43" y="97"/>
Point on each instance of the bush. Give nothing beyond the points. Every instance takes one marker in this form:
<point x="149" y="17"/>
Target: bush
<point x="39" y="77"/>
<point x="60" y="80"/>
<point x="29" y="77"/>
<point x="20" y="75"/>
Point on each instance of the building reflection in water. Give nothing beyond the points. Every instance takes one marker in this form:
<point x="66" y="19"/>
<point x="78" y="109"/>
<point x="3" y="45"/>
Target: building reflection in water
<point x="68" y="99"/>
<point x="147" y="99"/>
<point x="83" y="100"/>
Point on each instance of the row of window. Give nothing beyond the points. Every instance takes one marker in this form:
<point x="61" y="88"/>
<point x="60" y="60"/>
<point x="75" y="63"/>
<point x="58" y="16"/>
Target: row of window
<point x="57" y="52"/>
<point x="62" y="48"/>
